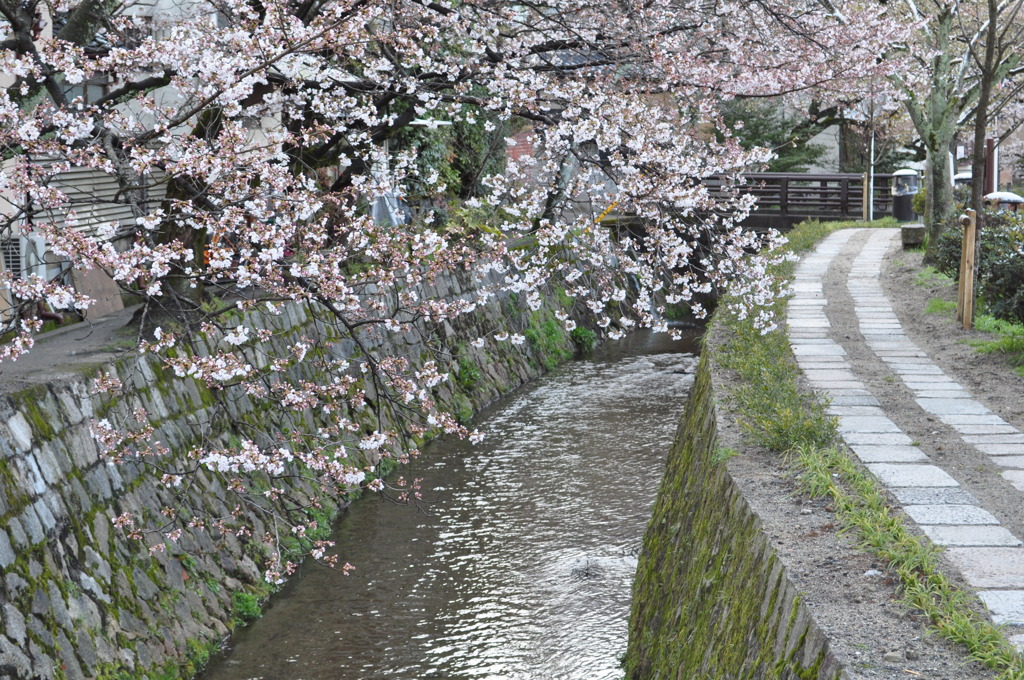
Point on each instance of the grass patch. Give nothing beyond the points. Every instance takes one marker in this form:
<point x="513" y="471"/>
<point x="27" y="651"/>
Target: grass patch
<point x="939" y="306"/>
<point x="805" y="236"/>
<point x="774" y="412"/>
<point x="1009" y="340"/>
<point x="930" y="276"/>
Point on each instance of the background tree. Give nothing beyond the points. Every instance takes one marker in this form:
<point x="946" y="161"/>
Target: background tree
<point x="960" y="51"/>
<point x="766" y="125"/>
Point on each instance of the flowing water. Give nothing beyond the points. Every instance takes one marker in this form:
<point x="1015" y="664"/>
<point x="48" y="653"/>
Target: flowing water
<point x="522" y="567"/>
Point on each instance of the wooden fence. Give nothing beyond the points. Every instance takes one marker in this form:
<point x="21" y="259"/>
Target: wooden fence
<point x="783" y="199"/>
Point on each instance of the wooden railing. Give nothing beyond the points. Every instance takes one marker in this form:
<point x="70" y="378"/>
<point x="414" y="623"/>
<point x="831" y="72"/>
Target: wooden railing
<point x="783" y="199"/>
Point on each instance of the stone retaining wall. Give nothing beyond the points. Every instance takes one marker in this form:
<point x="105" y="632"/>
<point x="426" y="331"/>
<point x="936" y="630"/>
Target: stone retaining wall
<point x="711" y="598"/>
<point x="78" y="599"/>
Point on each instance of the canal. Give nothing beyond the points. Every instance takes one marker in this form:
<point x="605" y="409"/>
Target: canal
<point x="522" y="564"/>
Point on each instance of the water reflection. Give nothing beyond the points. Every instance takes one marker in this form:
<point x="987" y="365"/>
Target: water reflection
<point x="521" y="570"/>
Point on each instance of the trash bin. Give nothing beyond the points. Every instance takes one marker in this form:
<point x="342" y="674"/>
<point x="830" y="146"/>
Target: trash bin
<point x="905" y="184"/>
<point x="1005" y="200"/>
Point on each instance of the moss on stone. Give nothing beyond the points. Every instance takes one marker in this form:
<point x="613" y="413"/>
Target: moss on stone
<point x="29" y="401"/>
<point x="710" y="600"/>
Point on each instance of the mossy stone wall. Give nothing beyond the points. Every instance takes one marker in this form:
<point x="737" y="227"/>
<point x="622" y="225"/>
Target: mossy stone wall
<point x="80" y="600"/>
<point x="711" y="599"/>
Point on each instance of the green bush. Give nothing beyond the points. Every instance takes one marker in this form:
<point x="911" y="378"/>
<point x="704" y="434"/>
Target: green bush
<point x="917" y="203"/>
<point x="1000" y="262"/>
<point x="584" y="338"/>
<point x="245" y="607"/>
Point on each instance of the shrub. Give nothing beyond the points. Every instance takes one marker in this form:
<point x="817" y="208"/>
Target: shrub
<point x="1000" y="262"/>
<point x="584" y="338"/>
<point x="917" y="203"/>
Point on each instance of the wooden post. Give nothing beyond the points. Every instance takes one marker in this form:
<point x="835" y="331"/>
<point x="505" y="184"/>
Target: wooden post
<point x="784" y="197"/>
<point x="864" y="198"/>
<point x="965" y="291"/>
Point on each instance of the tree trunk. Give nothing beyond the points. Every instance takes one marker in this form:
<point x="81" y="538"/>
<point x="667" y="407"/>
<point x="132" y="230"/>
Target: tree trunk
<point x="939" y="206"/>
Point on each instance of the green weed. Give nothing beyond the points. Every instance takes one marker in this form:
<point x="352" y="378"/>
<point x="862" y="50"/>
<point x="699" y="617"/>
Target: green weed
<point x="930" y="276"/>
<point x="245" y="607"/>
<point x="1009" y="338"/>
<point x="939" y="306"/>
<point x="584" y="338"/>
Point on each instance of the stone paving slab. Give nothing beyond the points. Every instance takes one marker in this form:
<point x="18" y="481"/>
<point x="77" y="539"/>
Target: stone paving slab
<point x="921" y="372"/>
<point x="878" y="439"/>
<point x="855" y="400"/>
<point x="1015" y="477"/>
<point x="889" y="454"/>
<point x="1017" y="438"/>
<point x="867" y="424"/>
<point x="911" y="475"/>
<point x="950" y="514"/>
<point x="818" y="350"/>
<point x="831" y="375"/>
<point x="990" y="567"/>
<point x="942" y="394"/>
<point x="971" y="535"/>
<point x="971" y="419"/>
<point x="951" y="407"/>
<point x="1001" y="449"/>
<point x="1009" y="461"/>
<point x="933" y="495"/>
<point x="985" y="429"/>
<point x="839" y="384"/>
<point x="1006" y="606"/>
<point x="929" y="379"/>
<point x="855" y="411"/>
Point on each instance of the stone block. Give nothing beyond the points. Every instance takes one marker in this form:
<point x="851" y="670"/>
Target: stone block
<point x="866" y="424"/>
<point x="14" y="659"/>
<point x="46" y="518"/>
<point x="877" y="439"/>
<point x="971" y="535"/>
<point x="33" y="527"/>
<point x="911" y="475"/>
<point x="1006" y="606"/>
<point x="945" y="407"/>
<point x="7" y="555"/>
<point x="912" y="235"/>
<point x="1015" y="438"/>
<point x="950" y="514"/>
<point x="1001" y="449"/>
<point x="889" y="454"/>
<point x="990" y="567"/>
<point x="932" y="495"/>
<point x="1006" y="428"/>
<point x="21" y="432"/>
<point x="14" y="623"/>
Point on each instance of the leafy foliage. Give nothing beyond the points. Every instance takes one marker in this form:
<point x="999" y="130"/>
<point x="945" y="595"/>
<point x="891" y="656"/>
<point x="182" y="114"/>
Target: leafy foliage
<point x="765" y="124"/>
<point x="1000" y="262"/>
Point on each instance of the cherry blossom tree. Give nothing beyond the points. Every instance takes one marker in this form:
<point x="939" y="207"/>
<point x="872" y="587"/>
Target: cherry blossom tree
<point x="249" y="140"/>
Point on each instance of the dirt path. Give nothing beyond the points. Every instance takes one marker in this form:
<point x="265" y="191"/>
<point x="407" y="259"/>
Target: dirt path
<point x="939" y="425"/>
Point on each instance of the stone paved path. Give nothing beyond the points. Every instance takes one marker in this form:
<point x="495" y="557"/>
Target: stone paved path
<point x="990" y="557"/>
